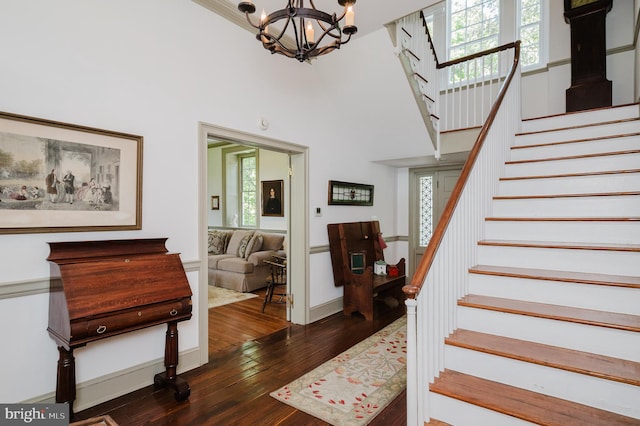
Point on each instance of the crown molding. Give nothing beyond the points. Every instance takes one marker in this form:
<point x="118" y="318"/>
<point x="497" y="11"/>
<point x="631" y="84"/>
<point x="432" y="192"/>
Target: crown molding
<point x="229" y="10"/>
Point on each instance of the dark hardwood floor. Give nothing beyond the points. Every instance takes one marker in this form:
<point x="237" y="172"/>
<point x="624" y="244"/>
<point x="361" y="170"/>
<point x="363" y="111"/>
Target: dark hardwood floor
<point x="250" y="355"/>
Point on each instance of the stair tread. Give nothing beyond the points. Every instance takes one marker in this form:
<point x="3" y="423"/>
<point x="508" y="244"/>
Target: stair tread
<point x="564" y="219"/>
<point x="565" y="276"/>
<point x="576" y="141"/>
<point x="606" y="367"/>
<point x="566" y="175"/>
<point x="555" y="312"/>
<point x="575" y="157"/>
<point x="523" y="404"/>
<point x="578" y="126"/>
<point x="592" y="194"/>
<point x="562" y="245"/>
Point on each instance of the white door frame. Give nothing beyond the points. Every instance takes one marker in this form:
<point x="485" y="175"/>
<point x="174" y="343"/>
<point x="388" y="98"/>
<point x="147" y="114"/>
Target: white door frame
<point x="298" y="223"/>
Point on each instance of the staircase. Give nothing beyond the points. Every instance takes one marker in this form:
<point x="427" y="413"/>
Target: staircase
<point x="550" y="330"/>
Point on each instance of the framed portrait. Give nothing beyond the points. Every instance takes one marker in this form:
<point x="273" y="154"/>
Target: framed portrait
<point x="272" y="197"/>
<point x="215" y="202"/>
<point x="60" y="177"/>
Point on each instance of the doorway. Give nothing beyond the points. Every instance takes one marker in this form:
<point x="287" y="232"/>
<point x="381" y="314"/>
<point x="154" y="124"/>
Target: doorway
<point x="429" y="192"/>
<point x="297" y="220"/>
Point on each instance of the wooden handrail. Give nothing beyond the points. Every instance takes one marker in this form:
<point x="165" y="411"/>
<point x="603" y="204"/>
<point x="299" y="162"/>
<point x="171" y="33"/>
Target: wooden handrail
<point x="413" y="289"/>
<point x="477" y="55"/>
<point x="429" y="39"/>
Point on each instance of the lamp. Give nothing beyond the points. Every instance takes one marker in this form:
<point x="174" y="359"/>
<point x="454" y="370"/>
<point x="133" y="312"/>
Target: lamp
<point x="303" y="23"/>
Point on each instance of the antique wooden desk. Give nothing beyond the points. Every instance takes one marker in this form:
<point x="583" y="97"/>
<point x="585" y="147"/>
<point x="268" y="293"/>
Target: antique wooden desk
<point x="100" y="289"/>
<point x="362" y="290"/>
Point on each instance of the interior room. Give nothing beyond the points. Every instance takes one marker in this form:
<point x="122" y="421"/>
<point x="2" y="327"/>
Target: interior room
<point x="190" y="99"/>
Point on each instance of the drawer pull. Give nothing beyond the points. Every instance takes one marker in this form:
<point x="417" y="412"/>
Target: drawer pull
<point x="101" y="329"/>
<point x="173" y="313"/>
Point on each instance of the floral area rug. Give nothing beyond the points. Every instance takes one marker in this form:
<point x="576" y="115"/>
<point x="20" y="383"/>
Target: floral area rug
<point x="353" y="387"/>
<point x="219" y="296"/>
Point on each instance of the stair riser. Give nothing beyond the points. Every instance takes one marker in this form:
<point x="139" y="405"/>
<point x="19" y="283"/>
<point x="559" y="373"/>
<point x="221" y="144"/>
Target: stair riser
<point x="581" y="118"/>
<point x="579" y="232"/>
<point x="589" y="261"/>
<point x="460" y="413"/>
<point x="573" y="134"/>
<point x="623" y="182"/>
<point x="579" y="165"/>
<point x="558" y="383"/>
<point x="580" y="148"/>
<point x="587" y="296"/>
<point x="581" y="337"/>
<point x="609" y="206"/>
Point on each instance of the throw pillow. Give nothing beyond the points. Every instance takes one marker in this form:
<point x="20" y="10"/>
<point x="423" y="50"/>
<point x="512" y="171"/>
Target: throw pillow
<point x="217" y="242"/>
<point x="234" y="242"/>
<point x="254" y="245"/>
<point x="242" y="248"/>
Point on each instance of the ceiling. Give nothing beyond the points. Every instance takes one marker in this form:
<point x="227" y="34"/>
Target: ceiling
<point x="370" y="15"/>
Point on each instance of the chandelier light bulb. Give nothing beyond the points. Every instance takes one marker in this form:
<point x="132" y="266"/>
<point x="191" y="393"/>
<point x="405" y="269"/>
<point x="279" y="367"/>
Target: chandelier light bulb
<point x="349" y="19"/>
<point x="309" y="33"/>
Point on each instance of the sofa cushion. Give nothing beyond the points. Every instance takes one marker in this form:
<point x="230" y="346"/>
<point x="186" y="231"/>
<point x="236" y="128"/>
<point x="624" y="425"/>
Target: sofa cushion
<point x="236" y="240"/>
<point x="213" y="259"/>
<point x="235" y="264"/>
<point x="272" y="241"/>
<point x="217" y="242"/>
<point x="254" y="245"/>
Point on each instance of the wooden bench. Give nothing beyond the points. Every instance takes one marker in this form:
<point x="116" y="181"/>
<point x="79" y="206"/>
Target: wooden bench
<point x="362" y="290"/>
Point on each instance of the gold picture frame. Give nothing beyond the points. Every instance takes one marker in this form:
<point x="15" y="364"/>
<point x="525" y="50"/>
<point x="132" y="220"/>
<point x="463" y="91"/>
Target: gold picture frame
<point x="61" y="177"/>
<point x="215" y="202"/>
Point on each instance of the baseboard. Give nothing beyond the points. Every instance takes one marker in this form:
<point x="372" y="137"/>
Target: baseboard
<point x="110" y="386"/>
<point x="324" y="310"/>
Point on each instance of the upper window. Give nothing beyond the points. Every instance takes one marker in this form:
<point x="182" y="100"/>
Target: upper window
<point x="530" y="32"/>
<point x="475" y="26"/>
<point x="478" y="25"/>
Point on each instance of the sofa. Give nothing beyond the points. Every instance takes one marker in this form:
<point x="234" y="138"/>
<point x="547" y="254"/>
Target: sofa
<point x="236" y="258"/>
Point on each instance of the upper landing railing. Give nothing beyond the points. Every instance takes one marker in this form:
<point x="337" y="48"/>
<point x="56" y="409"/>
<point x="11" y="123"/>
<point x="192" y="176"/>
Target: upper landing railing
<point x="454" y="95"/>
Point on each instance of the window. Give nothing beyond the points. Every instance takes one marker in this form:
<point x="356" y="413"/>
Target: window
<point x="478" y="25"/>
<point x="425" y="209"/>
<point x="248" y="190"/>
<point x="475" y="26"/>
<point x="530" y="31"/>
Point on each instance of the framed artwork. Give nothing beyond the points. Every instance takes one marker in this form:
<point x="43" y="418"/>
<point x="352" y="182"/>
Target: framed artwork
<point x="350" y="194"/>
<point x="215" y="202"/>
<point x="59" y="177"/>
<point x="272" y="196"/>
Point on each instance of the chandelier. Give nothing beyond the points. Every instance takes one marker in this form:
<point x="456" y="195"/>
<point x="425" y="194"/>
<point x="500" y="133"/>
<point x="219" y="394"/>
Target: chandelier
<point x="295" y="36"/>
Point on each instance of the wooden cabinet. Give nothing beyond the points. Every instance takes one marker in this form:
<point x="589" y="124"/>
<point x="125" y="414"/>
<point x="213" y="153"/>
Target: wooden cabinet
<point x="100" y="289"/>
<point x="362" y="290"/>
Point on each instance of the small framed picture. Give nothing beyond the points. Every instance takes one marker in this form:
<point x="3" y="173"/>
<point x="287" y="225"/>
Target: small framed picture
<point x="272" y="196"/>
<point x="215" y="202"/>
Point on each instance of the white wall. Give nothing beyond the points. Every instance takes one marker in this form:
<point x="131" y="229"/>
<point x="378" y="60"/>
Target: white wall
<point x="157" y="68"/>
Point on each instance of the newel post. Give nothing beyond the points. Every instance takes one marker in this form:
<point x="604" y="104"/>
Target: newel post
<point x="412" y="355"/>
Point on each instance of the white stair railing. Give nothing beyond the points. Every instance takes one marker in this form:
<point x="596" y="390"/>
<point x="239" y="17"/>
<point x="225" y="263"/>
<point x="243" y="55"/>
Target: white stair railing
<point x="441" y="277"/>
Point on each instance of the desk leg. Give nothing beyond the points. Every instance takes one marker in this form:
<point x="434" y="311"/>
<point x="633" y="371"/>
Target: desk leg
<point x="170" y="377"/>
<point x="66" y="378"/>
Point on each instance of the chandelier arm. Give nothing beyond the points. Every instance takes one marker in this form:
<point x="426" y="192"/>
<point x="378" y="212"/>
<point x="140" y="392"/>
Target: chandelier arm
<point x="257" y="27"/>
